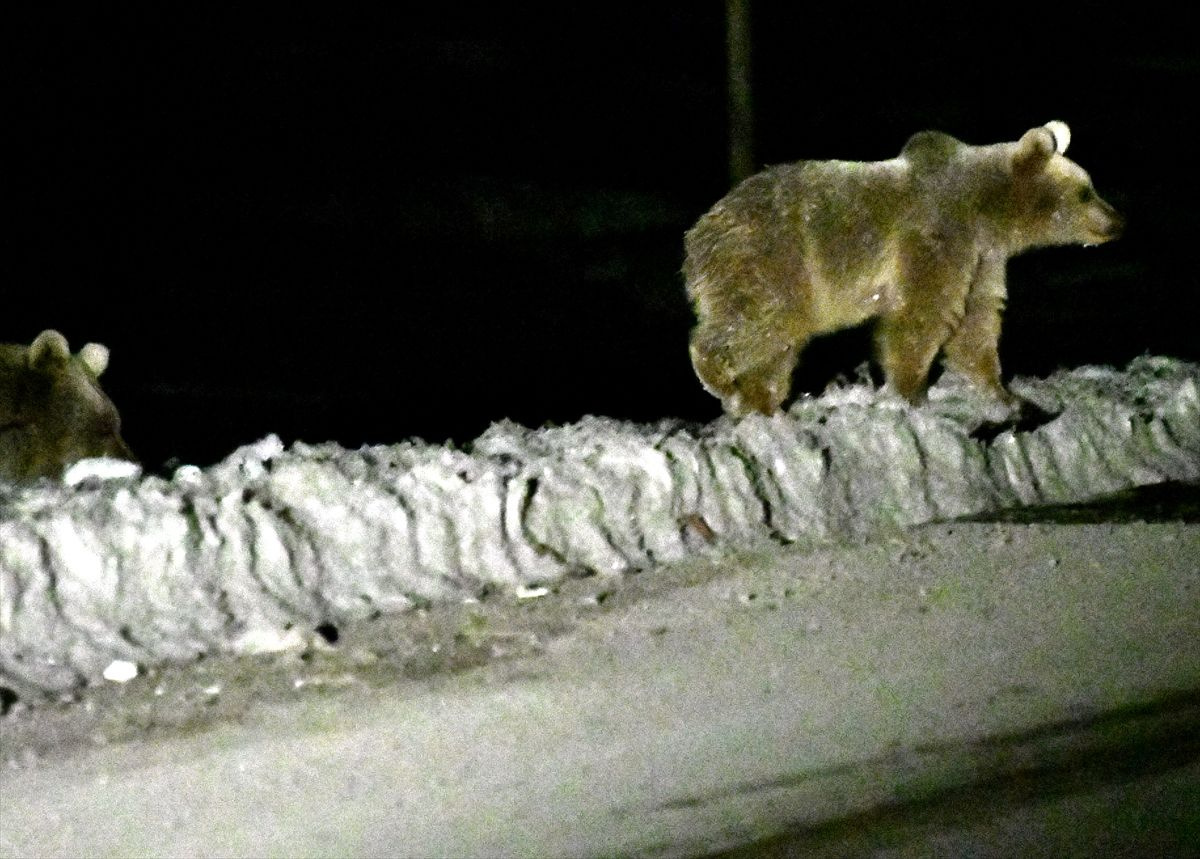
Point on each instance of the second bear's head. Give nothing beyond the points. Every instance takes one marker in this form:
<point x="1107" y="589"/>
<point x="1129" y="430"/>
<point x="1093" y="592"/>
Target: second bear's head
<point x="52" y="409"/>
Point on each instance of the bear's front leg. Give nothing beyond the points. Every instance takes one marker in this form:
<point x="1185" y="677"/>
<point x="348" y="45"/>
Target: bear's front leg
<point x="933" y="285"/>
<point x="973" y="350"/>
<point x="906" y="345"/>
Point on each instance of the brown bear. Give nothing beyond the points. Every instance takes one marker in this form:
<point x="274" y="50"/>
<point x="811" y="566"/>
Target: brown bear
<point x="52" y="410"/>
<point x="918" y="242"/>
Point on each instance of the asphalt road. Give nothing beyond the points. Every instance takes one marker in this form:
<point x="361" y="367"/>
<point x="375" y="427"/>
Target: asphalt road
<point x="1002" y="688"/>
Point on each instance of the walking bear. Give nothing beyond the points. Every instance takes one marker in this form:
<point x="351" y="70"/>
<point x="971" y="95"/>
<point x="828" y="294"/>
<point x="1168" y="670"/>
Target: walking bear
<point x="52" y="410"/>
<point x="918" y="243"/>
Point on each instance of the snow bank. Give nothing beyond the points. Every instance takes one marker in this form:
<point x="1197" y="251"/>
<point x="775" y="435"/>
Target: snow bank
<point x="236" y="557"/>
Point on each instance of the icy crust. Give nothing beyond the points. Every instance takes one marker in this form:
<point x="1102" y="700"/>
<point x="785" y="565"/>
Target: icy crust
<point x="239" y="556"/>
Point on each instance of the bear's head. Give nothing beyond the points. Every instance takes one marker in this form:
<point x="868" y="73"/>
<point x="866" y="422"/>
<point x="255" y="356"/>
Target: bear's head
<point x="52" y="410"/>
<point x="1053" y="197"/>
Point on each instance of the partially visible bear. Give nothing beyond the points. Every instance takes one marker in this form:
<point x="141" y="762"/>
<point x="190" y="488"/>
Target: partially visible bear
<point x="52" y="410"/>
<point x="920" y="242"/>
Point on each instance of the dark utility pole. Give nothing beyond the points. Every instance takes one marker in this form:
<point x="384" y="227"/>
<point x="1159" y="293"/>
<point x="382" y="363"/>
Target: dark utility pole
<point x="741" y="111"/>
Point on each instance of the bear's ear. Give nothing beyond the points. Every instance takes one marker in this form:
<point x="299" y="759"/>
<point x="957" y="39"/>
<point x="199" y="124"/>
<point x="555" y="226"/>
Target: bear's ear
<point x="48" y="350"/>
<point x="95" y="357"/>
<point x="1034" y="150"/>
<point x="1062" y="134"/>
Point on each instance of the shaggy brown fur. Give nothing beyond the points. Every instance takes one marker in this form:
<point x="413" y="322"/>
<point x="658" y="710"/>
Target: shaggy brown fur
<point x="918" y="243"/>
<point x="52" y="410"/>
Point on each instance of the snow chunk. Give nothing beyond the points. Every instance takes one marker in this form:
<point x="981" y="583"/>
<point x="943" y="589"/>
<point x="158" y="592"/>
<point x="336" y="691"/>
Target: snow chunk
<point x="100" y="468"/>
<point x="120" y="671"/>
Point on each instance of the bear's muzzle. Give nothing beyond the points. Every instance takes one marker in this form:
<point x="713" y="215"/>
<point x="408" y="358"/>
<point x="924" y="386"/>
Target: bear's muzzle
<point x="1104" y="224"/>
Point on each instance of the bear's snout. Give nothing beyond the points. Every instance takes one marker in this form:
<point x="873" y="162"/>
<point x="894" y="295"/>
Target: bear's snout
<point x="1105" y="223"/>
<point x="117" y="449"/>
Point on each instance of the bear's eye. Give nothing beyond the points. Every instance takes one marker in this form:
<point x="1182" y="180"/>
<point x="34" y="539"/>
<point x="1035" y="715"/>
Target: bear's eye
<point x="1085" y="195"/>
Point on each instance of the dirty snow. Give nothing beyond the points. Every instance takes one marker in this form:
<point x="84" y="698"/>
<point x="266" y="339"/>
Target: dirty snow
<point x="223" y="559"/>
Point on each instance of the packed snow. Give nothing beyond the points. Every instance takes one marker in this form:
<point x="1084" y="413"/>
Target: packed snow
<point x="275" y="539"/>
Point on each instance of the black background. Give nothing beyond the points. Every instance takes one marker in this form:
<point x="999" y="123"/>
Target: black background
<point x="368" y="227"/>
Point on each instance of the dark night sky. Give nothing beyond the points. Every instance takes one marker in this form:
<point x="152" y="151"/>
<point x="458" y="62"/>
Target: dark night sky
<point x="373" y="227"/>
